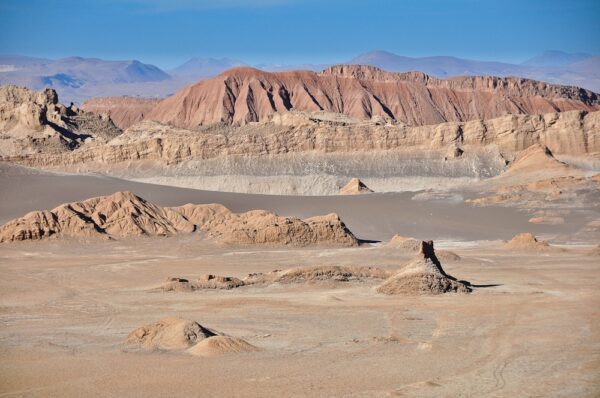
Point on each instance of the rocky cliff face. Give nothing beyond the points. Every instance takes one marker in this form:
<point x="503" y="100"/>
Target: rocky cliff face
<point x="32" y="122"/>
<point x="123" y="111"/>
<point x="243" y="95"/>
<point x="574" y="133"/>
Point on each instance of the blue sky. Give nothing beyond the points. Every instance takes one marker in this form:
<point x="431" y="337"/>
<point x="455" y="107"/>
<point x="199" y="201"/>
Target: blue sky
<point x="168" y="32"/>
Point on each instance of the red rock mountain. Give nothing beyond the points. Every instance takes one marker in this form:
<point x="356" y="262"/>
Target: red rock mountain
<point x="242" y="95"/>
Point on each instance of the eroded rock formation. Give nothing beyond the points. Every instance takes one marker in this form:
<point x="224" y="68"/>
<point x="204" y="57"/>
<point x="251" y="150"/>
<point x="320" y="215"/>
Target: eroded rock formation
<point x="423" y="275"/>
<point x="243" y="95"/>
<point x="124" y="214"/>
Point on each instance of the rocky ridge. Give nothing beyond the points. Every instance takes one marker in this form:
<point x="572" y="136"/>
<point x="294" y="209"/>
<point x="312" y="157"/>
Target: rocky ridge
<point x="123" y="214"/>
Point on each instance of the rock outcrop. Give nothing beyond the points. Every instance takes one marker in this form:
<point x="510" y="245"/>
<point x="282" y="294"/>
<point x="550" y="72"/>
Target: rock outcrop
<point x="124" y="214"/>
<point x="262" y="227"/>
<point x="331" y="273"/>
<point x="218" y="282"/>
<point x="243" y="95"/>
<point x="32" y="122"/>
<point x="423" y="275"/>
<point x="355" y="187"/>
<point x="123" y="111"/>
<point x="118" y="215"/>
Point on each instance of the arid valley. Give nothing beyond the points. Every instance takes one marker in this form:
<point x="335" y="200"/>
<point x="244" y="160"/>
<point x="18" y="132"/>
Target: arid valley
<point x="385" y="226"/>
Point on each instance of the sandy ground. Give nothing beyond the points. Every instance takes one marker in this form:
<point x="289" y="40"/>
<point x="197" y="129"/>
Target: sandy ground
<point x="66" y="308"/>
<point x="376" y="216"/>
<point x="531" y="328"/>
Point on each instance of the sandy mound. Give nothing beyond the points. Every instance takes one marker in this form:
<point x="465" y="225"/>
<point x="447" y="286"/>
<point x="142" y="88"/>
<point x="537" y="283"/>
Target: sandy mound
<point x="332" y="273"/>
<point x="355" y="187"/>
<point x="220" y="345"/>
<point x="168" y="334"/>
<point x="447" y="255"/>
<point x="527" y="241"/>
<point x="218" y="282"/>
<point x="423" y="275"/>
<point x="124" y="214"/>
<point x="404" y="242"/>
<point x="414" y="245"/>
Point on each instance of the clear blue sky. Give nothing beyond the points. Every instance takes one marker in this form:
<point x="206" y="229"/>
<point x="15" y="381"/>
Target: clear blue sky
<point x="167" y="32"/>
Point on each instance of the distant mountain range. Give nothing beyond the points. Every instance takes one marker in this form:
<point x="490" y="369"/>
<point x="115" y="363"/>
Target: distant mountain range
<point x="77" y="78"/>
<point x="556" y="67"/>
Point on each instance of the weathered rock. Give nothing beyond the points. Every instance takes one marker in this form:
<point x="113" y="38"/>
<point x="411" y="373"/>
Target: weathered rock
<point x="423" y="275"/>
<point x="262" y="227"/>
<point x="218" y="282"/>
<point x="32" y="122"/>
<point x="124" y="214"/>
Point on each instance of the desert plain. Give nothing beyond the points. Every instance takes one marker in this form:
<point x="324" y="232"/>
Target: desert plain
<point x="267" y="234"/>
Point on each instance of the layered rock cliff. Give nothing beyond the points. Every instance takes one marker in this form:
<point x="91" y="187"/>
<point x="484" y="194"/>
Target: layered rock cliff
<point x="574" y="133"/>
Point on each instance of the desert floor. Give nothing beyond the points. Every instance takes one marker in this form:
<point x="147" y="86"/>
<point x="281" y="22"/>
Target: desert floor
<point x="530" y="328"/>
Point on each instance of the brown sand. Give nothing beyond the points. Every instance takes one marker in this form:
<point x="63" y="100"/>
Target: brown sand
<point x="67" y="308"/>
<point x="220" y="345"/>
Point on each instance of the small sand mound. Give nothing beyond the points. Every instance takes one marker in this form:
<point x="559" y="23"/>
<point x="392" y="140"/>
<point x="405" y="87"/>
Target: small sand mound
<point x="173" y="284"/>
<point x="527" y="241"/>
<point x="220" y="345"/>
<point x="414" y="245"/>
<point x="210" y="281"/>
<point x="595" y="251"/>
<point x="332" y="273"/>
<point x="447" y="255"/>
<point x="404" y="242"/>
<point x="355" y="187"/>
<point x="168" y="334"/>
<point x="423" y="275"/>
